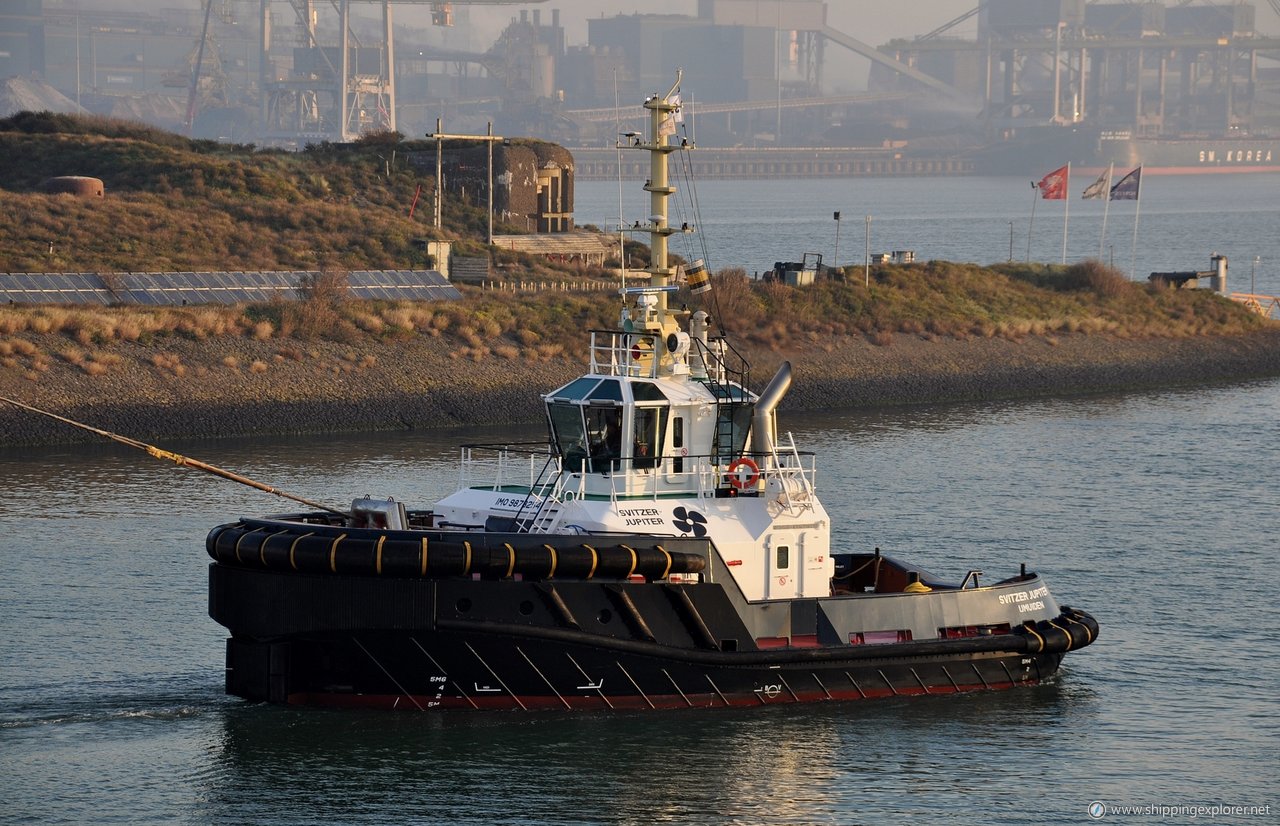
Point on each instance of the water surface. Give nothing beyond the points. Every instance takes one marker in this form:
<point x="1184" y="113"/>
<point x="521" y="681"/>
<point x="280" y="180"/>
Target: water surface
<point x="1158" y="512"/>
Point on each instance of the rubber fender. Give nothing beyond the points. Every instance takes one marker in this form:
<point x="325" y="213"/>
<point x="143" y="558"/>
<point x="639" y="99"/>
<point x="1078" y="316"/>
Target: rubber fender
<point x="222" y="540"/>
<point x="1079" y="634"/>
<point x="211" y="541"/>
<point x="332" y="549"/>
<point x="1056" y="638"/>
<point x="1035" y="640"/>
<point x="1084" y="621"/>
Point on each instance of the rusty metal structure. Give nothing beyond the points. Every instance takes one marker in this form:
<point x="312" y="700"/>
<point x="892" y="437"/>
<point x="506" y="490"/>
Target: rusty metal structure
<point x="339" y="85"/>
<point x="1148" y="68"/>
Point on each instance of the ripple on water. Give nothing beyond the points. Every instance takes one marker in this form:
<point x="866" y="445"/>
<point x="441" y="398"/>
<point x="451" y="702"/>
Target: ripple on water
<point x="110" y="681"/>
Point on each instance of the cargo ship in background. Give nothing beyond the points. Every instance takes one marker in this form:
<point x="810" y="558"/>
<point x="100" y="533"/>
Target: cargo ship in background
<point x="1032" y="150"/>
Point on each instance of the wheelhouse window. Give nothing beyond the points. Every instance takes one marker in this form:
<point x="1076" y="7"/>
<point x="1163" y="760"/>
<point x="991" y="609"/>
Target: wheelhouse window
<point x="677" y="442"/>
<point x="576" y="389"/>
<point x="648" y="430"/>
<point x="604" y="436"/>
<point x="609" y="390"/>
<point x="569" y="434"/>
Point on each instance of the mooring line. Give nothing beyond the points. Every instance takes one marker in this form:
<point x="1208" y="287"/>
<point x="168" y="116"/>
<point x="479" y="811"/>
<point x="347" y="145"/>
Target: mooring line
<point x="176" y="458"/>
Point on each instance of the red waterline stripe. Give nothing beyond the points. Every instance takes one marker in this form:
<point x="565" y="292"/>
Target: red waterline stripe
<point x="505" y="702"/>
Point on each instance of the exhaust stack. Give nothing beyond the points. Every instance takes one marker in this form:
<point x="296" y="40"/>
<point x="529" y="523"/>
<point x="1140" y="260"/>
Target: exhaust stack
<point x="763" y="424"/>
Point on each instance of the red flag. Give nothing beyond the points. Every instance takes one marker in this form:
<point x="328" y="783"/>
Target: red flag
<point x="1053" y="187"/>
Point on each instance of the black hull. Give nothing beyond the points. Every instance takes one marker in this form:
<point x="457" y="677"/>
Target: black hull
<point x="486" y="670"/>
<point x="475" y="644"/>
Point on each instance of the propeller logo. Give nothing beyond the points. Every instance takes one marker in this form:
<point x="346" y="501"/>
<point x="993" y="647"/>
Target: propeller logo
<point x="687" y="521"/>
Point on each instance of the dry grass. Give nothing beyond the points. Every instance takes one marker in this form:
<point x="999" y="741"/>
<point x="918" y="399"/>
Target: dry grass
<point x="169" y="363"/>
<point x="934" y="301"/>
<point x="369" y="322"/>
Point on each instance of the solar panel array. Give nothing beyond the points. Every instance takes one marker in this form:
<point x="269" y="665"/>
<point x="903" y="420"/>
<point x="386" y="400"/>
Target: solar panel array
<point x="167" y="288"/>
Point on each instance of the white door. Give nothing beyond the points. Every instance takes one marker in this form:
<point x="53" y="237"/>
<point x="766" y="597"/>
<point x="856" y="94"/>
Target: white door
<point x="783" y="564"/>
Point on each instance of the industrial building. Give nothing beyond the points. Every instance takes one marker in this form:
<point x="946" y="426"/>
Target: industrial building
<point x="290" y="72"/>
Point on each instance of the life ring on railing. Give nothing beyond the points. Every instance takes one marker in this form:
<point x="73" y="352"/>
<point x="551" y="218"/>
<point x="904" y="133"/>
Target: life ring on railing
<point x="743" y="473"/>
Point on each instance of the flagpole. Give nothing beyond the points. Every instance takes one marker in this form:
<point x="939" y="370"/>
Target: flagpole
<point x="1031" y="224"/>
<point x="1133" y="250"/>
<point x="622" y="233"/>
<point x="1106" y="205"/>
<point x="1066" y="213"/>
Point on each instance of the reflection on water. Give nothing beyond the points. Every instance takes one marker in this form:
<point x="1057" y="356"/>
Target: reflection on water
<point x="780" y="765"/>
<point x="1157" y="512"/>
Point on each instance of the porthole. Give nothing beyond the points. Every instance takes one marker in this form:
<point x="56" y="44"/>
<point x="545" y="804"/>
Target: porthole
<point x="605" y="616"/>
<point x="464" y="605"/>
<point x="526" y="608"/>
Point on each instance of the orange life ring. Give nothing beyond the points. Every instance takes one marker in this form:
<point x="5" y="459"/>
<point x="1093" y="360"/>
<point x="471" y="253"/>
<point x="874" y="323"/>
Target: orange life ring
<point x="739" y="479"/>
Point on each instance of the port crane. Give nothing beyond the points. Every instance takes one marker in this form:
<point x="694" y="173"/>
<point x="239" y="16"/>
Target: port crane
<point x="332" y="91"/>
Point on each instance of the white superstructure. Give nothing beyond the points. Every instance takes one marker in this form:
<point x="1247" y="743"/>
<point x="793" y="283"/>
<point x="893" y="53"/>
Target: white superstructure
<point x="663" y="435"/>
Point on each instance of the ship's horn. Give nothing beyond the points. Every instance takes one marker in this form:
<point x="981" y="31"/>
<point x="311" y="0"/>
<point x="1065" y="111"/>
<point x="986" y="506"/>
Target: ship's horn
<point x="762" y="425"/>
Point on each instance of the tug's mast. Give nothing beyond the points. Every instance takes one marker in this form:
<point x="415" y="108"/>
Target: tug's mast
<point x="662" y="112"/>
<point x="651" y="312"/>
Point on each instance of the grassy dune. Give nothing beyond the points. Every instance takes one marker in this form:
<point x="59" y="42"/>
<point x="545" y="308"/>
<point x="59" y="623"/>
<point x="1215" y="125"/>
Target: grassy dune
<point x="174" y="203"/>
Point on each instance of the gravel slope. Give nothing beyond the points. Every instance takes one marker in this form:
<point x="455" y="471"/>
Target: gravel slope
<point x="322" y="387"/>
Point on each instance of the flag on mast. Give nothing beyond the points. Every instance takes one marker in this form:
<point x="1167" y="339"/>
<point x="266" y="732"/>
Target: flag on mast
<point x="1098" y="189"/>
<point x="1128" y="187"/>
<point x="1101" y="188"/>
<point x="1053" y="187"/>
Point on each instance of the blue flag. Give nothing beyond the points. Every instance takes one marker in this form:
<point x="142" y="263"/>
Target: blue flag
<point x="1127" y="188"/>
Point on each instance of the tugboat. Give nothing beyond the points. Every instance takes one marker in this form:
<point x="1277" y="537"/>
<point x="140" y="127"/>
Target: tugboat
<point x="665" y="548"/>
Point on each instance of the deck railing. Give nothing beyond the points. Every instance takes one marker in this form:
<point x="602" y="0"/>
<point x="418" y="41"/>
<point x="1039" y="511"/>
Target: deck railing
<point x="532" y="471"/>
<point x="637" y="355"/>
<point x="626" y="355"/>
